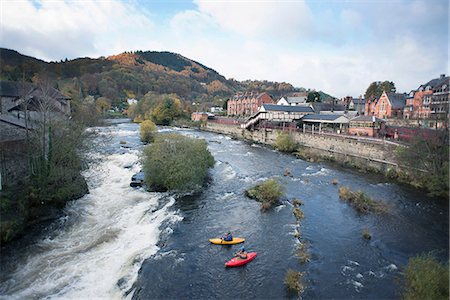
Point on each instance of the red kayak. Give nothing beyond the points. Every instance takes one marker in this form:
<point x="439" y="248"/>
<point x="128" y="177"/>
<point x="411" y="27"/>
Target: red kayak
<point x="237" y="261"/>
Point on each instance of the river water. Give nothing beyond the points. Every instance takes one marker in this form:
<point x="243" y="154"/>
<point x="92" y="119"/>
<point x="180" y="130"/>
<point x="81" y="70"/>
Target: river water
<point x="121" y="242"/>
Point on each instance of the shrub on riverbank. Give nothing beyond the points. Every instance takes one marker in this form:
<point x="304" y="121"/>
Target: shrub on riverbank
<point x="426" y="278"/>
<point x="294" y="281"/>
<point x="268" y="192"/>
<point x="176" y="162"/>
<point x="147" y="130"/>
<point x="360" y="201"/>
<point x="285" y="142"/>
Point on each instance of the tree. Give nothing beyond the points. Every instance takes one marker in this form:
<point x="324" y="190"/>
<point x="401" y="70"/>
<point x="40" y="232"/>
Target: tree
<point x="176" y="162"/>
<point x="377" y="88"/>
<point x="147" y="131"/>
<point x="103" y="104"/>
<point x="313" y="97"/>
<point x="167" y="110"/>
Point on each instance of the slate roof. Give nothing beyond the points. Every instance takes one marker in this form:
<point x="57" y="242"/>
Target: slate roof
<point x="398" y="101"/>
<point x="17" y="89"/>
<point x="318" y="107"/>
<point x="324" y="117"/>
<point x="286" y="108"/>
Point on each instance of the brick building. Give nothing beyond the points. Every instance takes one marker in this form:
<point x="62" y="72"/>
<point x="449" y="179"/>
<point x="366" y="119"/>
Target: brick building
<point x="389" y="105"/>
<point x="246" y="104"/>
<point x="420" y="102"/>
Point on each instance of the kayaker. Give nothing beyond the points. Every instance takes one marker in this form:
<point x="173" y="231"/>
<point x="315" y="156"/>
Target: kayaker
<point x="228" y="237"/>
<point x="241" y="253"/>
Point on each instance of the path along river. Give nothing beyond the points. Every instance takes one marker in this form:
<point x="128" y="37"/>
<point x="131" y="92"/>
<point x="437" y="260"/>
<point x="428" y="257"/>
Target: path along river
<point x="121" y="242"/>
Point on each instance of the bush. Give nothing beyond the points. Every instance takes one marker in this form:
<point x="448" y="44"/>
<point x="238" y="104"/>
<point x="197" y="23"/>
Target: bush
<point x="285" y="143"/>
<point x="360" y="201"/>
<point x="268" y="192"/>
<point x="147" y="130"/>
<point x="175" y="162"/>
<point x="426" y="278"/>
<point x="366" y="234"/>
<point x="294" y="281"/>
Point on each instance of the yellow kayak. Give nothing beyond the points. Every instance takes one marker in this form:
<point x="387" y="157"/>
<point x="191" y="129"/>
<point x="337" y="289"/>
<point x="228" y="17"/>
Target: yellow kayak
<point x="222" y="242"/>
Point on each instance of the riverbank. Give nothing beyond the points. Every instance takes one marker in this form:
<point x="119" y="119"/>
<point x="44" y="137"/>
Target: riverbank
<point x="368" y="155"/>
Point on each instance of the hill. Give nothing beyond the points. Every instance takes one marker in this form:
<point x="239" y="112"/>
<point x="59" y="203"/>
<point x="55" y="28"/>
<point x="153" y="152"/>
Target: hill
<point x="134" y="74"/>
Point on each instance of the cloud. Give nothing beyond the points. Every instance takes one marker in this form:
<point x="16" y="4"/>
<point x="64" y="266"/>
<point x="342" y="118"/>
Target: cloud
<point x="57" y="29"/>
<point x="260" y="19"/>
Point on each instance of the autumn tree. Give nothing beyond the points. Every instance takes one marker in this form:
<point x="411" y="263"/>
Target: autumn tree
<point x="102" y="104"/>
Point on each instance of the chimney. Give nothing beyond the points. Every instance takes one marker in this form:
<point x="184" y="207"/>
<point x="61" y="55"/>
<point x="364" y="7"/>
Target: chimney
<point x="442" y="76"/>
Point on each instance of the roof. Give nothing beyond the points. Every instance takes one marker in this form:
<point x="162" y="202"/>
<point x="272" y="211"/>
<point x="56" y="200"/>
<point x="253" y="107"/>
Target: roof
<point x="398" y="101"/>
<point x="295" y="99"/>
<point x="18" y="89"/>
<point x="358" y="101"/>
<point x="435" y="81"/>
<point x="318" y="107"/>
<point x="367" y="119"/>
<point x="326" y="118"/>
<point x="286" y="108"/>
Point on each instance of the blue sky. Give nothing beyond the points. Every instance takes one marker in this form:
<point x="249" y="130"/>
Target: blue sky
<point x="336" y="46"/>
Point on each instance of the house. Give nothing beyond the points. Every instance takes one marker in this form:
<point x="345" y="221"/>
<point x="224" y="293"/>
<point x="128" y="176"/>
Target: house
<point x="389" y="105"/>
<point x="277" y="115"/>
<point x="366" y="126"/>
<point x="199" y="116"/>
<point x="419" y="103"/>
<point x="324" y="122"/>
<point x="17" y="101"/>
<point x="356" y="104"/>
<point x="294" y="101"/>
<point x="246" y="104"/>
<point x="439" y="105"/>
<point x="131" y="101"/>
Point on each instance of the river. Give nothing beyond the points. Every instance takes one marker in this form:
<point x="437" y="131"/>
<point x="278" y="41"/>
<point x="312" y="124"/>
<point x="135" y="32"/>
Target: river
<point x="122" y="242"/>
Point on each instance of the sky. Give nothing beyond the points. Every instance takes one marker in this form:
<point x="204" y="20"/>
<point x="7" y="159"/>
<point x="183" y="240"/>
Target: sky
<point x="339" y="47"/>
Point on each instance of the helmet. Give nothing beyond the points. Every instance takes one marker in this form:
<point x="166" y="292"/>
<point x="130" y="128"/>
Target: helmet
<point x="242" y="248"/>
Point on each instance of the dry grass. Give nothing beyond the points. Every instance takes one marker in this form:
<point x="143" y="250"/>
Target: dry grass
<point x="297" y="202"/>
<point x="361" y="201"/>
<point x="298" y="213"/>
<point x="294" y="281"/>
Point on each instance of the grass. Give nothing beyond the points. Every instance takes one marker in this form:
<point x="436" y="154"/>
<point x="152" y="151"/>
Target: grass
<point x="268" y="193"/>
<point x="298" y="213"/>
<point x="294" y="281"/>
<point x="426" y="278"/>
<point x="285" y="142"/>
<point x="302" y="253"/>
<point x="366" y="234"/>
<point x="360" y="201"/>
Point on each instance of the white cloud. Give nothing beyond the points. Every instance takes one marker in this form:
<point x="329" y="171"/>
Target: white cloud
<point x="57" y="29"/>
<point x="260" y="19"/>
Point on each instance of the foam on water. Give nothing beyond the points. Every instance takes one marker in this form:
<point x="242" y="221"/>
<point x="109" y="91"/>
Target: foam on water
<point x="109" y="233"/>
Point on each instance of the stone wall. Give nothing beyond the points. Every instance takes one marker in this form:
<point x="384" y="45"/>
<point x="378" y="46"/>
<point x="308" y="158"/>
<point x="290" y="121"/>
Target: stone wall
<point x="371" y="153"/>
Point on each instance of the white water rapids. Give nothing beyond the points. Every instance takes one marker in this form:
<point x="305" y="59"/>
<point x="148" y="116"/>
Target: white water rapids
<point x="107" y="235"/>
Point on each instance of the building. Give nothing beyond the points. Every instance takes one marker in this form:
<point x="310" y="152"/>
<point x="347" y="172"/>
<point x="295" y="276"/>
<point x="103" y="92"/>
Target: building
<point x="355" y="104"/>
<point x="17" y="101"/>
<point x="366" y="126"/>
<point x="277" y="115"/>
<point x="201" y="116"/>
<point x="439" y="104"/>
<point x="329" y="108"/>
<point x="389" y="105"/>
<point x="419" y="104"/>
<point x="246" y="104"/>
<point x="332" y="123"/>
<point x="299" y="100"/>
